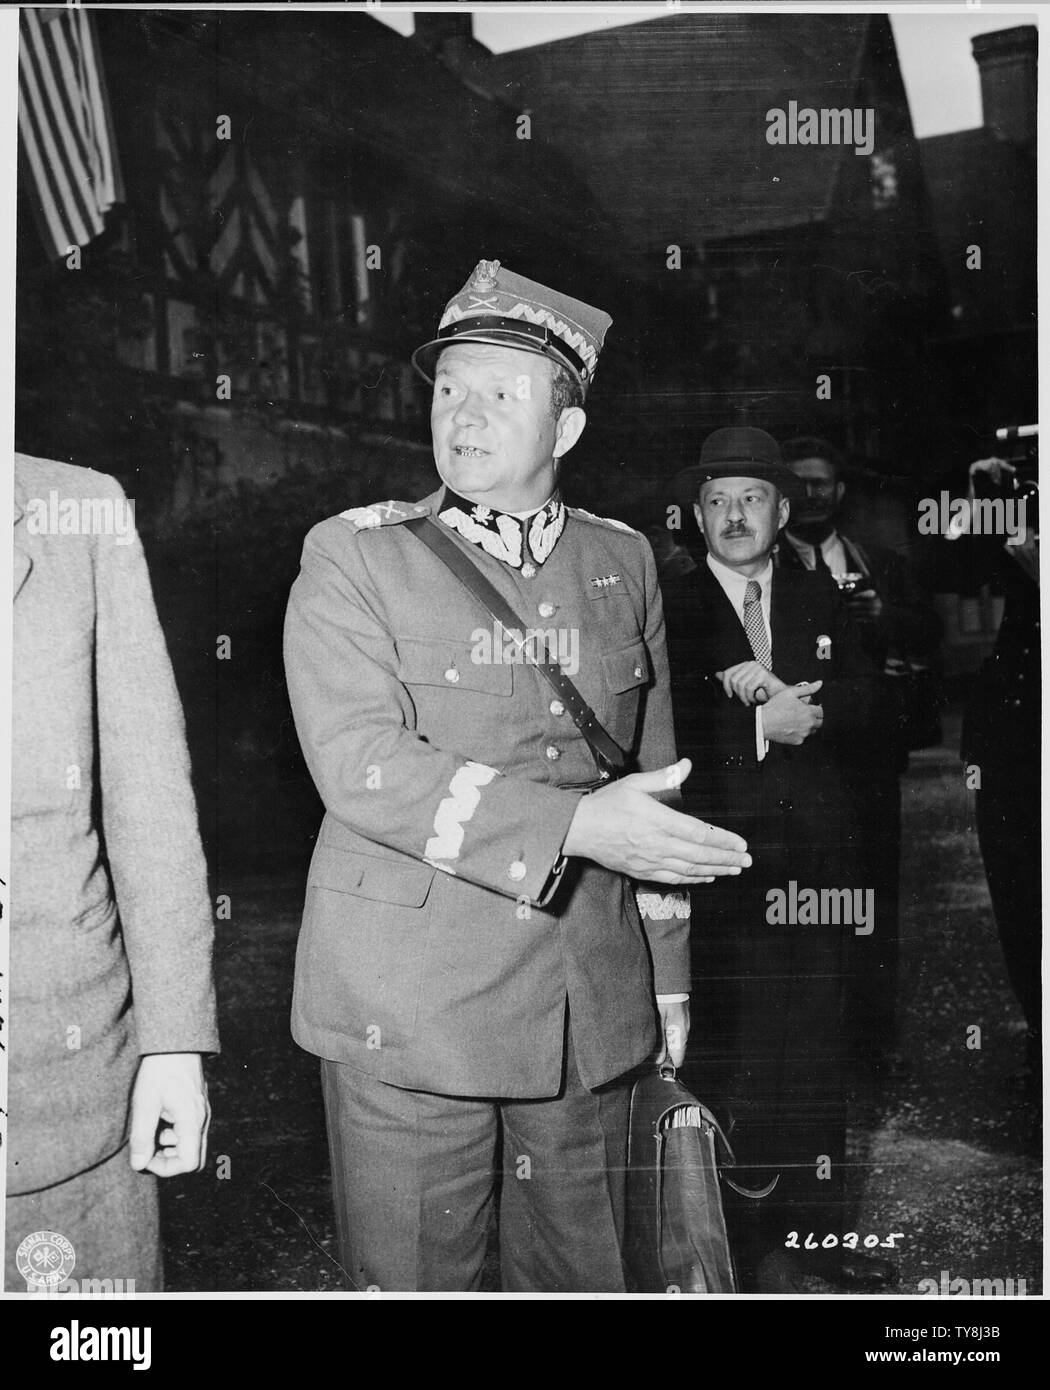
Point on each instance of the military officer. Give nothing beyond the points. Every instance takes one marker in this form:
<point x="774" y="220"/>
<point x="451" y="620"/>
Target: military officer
<point x="474" y="965"/>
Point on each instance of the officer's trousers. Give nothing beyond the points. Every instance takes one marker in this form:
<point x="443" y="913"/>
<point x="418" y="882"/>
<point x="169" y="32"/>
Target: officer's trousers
<point x="414" y="1181"/>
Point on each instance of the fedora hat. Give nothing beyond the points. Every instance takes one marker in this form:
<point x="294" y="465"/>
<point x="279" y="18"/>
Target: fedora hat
<point x="737" y="451"/>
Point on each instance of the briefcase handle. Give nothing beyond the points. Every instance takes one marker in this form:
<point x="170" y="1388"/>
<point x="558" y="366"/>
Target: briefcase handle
<point x="669" y="1072"/>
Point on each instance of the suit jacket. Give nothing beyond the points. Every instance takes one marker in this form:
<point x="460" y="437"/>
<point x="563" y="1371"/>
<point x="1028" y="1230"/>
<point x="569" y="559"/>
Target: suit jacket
<point x="111" y="930"/>
<point x="442" y="933"/>
<point x="909" y="625"/>
<point x="790" y="805"/>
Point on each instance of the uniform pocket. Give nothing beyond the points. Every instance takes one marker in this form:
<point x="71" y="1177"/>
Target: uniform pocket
<point x="626" y="674"/>
<point x="477" y="666"/>
<point x="626" y="669"/>
<point x="362" y="950"/>
<point x="400" y="882"/>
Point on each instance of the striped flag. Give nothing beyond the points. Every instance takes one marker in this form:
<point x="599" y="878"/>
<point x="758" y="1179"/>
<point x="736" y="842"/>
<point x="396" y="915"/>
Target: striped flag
<point x="65" y="127"/>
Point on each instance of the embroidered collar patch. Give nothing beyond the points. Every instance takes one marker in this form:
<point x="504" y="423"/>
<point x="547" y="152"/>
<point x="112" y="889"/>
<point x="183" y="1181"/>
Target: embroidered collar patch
<point x="513" y="540"/>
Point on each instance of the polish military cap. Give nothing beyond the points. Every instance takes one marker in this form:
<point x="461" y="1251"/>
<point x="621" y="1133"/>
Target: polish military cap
<point x="497" y="306"/>
<point x="739" y="451"/>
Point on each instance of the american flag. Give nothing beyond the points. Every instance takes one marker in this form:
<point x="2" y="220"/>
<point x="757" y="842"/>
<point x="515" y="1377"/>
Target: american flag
<point x="65" y="127"/>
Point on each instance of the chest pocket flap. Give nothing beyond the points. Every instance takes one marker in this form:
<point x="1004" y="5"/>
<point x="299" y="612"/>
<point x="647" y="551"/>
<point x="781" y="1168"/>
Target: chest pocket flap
<point x="627" y="668"/>
<point x="479" y="666"/>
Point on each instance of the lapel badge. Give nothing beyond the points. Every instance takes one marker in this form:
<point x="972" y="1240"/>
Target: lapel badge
<point x="605" y="582"/>
<point x="484" y="277"/>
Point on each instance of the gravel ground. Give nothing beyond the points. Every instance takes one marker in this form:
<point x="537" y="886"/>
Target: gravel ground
<point x="948" y="1154"/>
<point x="953" y="1160"/>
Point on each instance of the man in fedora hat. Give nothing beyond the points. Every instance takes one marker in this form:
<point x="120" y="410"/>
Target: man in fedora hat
<point x="769" y="685"/>
<point x="472" y="969"/>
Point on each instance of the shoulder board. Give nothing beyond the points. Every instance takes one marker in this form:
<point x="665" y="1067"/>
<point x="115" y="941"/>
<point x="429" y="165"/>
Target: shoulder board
<point x="383" y="514"/>
<point x="603" y="521"/>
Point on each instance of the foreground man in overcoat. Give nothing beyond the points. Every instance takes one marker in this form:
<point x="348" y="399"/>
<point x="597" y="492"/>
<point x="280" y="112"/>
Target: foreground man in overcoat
<point x="110" y="1004"/>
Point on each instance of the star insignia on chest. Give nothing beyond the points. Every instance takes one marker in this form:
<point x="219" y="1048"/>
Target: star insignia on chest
<point x="605" y="581"/>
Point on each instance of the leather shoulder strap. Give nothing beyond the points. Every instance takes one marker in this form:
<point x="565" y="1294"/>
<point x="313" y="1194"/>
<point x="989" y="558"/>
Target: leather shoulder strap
<point x="607" y="752"/>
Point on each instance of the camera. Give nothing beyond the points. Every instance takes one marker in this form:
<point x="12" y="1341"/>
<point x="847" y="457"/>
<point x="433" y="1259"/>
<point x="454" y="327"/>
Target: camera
<point x="848" y="582"/>
<point x="1022" y="452"/>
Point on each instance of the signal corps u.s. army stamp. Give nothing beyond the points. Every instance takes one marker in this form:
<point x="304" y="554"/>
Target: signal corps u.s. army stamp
<point x="45" y="1259"/>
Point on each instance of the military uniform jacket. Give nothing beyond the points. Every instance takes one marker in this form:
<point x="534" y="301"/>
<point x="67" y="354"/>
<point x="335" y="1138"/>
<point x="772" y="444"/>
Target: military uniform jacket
<point x="111" y="925"/>
<point x="442" y="932"/>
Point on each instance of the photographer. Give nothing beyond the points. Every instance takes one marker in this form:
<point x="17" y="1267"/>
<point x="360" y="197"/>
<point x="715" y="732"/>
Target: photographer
<point x="1001" y="740"/>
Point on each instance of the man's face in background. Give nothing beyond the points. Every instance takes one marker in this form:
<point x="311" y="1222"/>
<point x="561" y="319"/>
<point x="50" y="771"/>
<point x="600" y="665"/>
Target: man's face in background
<point x="823" y="493"/>
<point x="740" y="519"/>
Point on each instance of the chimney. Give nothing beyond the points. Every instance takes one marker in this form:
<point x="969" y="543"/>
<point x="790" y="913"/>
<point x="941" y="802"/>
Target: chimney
<point x="1007" y="61"/>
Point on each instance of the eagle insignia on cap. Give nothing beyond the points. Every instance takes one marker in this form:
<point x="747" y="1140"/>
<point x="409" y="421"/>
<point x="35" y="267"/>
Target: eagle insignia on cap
<point x="484" y="277"/>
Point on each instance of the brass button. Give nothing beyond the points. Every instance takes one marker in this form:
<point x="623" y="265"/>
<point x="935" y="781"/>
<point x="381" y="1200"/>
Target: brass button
<point x="452" y="675"/>
<point x="528" y="571"/>
<point x="557" y="707"/>
<point x="638" y="673"/>
<point x="517" y="871"/>
<point x="553" y="753"/>
<point x="546" y="610"/>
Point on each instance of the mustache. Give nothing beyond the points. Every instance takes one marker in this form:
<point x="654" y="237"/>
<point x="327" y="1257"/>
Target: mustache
<point x="730" y="531"/>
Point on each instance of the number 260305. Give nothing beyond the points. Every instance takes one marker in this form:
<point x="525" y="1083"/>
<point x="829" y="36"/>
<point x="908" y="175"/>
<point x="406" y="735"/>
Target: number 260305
<point x="850" y="1241"/>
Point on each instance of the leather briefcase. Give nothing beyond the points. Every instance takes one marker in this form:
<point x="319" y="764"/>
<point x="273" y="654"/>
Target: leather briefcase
<point x="675" y="1239"/>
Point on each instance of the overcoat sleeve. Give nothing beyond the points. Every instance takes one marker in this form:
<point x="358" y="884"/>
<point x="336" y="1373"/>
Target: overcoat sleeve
<point x="148" y="810"/>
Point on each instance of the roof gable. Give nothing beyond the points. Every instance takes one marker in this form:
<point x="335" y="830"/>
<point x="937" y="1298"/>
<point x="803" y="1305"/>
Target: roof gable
<point x="670" y="116"/>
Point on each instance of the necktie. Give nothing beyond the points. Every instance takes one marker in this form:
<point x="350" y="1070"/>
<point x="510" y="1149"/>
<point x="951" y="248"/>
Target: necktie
<point x="754" y="625"/>
<point x="819" y="563"/>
